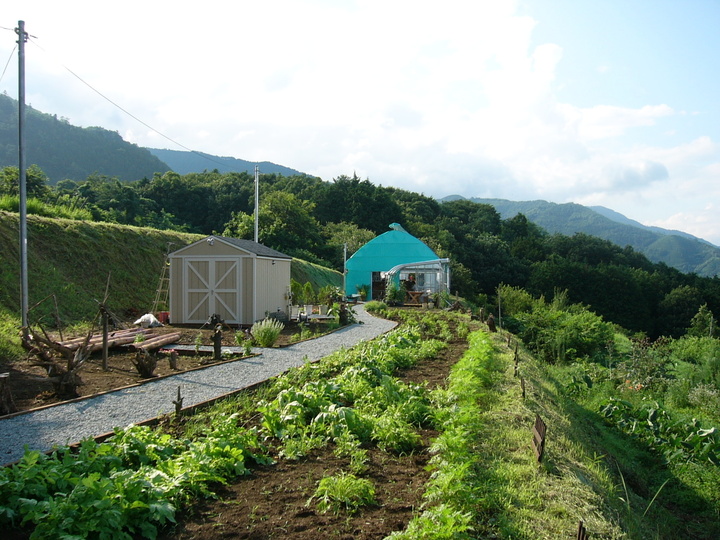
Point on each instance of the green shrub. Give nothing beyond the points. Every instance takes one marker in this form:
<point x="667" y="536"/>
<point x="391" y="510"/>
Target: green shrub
<point x="266" y="332"/>
<point x="376" y="306"/>
<point x="565" y="335"/>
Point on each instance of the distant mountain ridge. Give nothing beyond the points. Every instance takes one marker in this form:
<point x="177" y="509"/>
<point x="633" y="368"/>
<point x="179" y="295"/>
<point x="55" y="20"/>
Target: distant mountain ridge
<point x="184" y="162"/>
<point x="677" y="249"/>
<point x="67" y="152"/>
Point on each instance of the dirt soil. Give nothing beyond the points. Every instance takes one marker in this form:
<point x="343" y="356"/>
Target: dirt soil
<point x="30" y="386"/>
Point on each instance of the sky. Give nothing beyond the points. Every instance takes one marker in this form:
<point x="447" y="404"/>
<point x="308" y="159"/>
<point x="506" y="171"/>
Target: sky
<point x="613" y="103"/>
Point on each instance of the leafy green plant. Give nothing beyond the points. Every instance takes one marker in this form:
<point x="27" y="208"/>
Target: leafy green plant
<point x="343" y="491"/>
<point x="678" y="440"/>
<point x="395" y="294"/>
<point x="266" y="332"/>
<point x="377" y="307"/>
<point x="243" y="341"/>
<point x="348" y="445"/>
<point x="363" y="290"/>
<point x="441" y="522"/>
<point x="329" y="294"/>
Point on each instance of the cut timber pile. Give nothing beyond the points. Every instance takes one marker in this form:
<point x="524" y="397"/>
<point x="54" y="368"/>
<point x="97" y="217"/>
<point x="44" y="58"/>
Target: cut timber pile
<point x="95" y="343"/>
<point x="156" y="342"/>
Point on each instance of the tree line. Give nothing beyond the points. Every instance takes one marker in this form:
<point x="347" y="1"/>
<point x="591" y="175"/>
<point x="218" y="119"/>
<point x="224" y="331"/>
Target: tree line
<point x="312" y="219"/>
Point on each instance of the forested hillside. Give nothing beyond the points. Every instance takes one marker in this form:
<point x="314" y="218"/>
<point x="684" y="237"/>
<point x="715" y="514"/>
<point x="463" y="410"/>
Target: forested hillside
<point x="64" y="151"/>
<point x="312" y="219"/>
<point x="677" y="249"/>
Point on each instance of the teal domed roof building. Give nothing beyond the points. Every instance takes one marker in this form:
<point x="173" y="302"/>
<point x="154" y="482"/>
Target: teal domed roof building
<point x="397" y="255"/>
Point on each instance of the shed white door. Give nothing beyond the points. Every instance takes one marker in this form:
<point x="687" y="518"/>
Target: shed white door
<point x="212" y="286"/>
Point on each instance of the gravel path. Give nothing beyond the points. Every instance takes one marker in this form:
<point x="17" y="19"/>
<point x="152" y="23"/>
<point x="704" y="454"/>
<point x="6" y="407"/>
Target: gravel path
<point x="68" y="423"/>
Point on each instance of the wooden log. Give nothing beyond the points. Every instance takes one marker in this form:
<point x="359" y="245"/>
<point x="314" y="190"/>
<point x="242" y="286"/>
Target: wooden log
<point x="157" y="342"/>
<point x="113" y="342"/>
<point x="95" y="338"/>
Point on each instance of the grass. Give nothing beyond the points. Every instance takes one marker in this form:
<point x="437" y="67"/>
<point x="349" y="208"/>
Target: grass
<point x="71" y="263"/>
<point x="487" y="482"/>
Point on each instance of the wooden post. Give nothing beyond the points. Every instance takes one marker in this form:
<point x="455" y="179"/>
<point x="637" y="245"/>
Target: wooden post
<point x="217" y="343"/>
<point x="582" y="532"/>
<point x="172" y="359"/>
<point x="539" y="430"/>
<point x="7" y="405"/>
<point x="522" y="385"/>
<point x="491" y="323"/>
<point x="178" y="403"/>
<point x="104" y="313"/>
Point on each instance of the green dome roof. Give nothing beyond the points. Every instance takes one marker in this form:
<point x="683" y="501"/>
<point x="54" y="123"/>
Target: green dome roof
<point x="394" y="247"/>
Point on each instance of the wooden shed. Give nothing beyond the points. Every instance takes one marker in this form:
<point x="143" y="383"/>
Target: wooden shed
<point x="239" y="280"/>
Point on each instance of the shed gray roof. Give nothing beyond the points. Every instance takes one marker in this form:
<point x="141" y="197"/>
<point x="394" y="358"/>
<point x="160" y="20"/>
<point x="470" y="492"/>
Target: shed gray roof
<point x="254" y="247"/>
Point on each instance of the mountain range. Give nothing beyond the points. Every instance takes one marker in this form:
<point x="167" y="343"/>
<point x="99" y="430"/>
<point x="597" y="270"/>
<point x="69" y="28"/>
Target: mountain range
<point x="677" y="249"/>
<point x="64" y="151"/>
<point x="190" y="162"/>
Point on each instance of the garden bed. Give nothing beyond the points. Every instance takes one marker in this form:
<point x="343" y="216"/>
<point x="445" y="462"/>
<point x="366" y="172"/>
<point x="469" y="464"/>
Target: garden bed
<point x="31" y="387"/>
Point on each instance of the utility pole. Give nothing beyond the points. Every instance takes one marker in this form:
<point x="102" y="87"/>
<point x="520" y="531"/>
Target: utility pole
<point x="22" y="38"/>
<point x="257" y="200"/>
<point x="345" y="269"/>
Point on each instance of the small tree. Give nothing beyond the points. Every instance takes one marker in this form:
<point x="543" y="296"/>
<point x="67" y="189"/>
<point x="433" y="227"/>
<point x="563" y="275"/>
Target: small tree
<point x="309" y="294"/>
<point x="703" y="323"/>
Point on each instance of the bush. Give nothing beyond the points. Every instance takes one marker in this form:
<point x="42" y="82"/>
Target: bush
<point x="266" y="332"/>
<point x="565" y="335"/>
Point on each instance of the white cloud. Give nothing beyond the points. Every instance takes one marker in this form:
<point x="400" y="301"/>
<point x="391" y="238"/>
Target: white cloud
<point x="451" y="98"/>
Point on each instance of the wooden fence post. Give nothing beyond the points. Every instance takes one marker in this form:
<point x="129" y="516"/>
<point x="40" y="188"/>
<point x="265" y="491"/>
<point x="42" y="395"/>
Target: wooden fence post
<point x="582" y="532"/>
<point x="178" y="403"/>
<point x="539" y="431"/>
<point x="7" y="405"/>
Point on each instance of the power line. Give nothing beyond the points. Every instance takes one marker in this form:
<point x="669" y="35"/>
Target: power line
<point x="8" y="63"/>
<point x="98" y="92"/>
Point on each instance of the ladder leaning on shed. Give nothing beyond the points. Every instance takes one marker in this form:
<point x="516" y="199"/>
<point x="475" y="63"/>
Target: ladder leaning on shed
<point x="163" y="289"/>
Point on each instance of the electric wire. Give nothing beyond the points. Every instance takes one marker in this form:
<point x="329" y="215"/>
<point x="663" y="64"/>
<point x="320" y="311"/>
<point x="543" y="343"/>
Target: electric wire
<point x="106" y="98"/>
<point x="8" y="63"/>
<point x="33" y="40"/>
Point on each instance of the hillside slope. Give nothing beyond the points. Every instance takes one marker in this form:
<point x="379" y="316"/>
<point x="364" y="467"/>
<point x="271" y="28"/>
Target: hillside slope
<point x="71" y="263"/>
<point x="67" y="152"/>
<point x="678" y="250"/>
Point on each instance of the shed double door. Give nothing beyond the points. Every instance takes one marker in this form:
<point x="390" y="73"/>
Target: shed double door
<point x="212" y="286"/>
